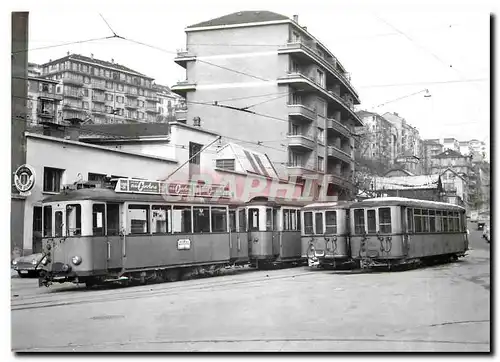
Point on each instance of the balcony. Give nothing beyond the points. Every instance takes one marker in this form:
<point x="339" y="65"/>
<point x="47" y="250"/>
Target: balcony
<point x="299" y="170"/>
<point x="74" y="81"/>
<point x="76" y="95"/>
<point x="44" y="113"/>
<point x="131" y="105"/>
<point x="151" y="98"/>
<point x="50" y="96"/>
<point x="335" y="152"/>
<point x="301" y="142"/>
<point x="151" y="109"/>
<point x="301" y="112"/>
<point x="98" y="110"/>
<point x="101" y="86"/>
<point x="181" y="88"/>
<point x="309" y="84"/>
<point x="334" y="125"/>
<point x="181" y="114"/>
<point x="130" y="94"/>
<point x="97" y="99"/>
<point x="338" y="179"/>
<point x="305" y="50"/>
<point x="183" y="56"/>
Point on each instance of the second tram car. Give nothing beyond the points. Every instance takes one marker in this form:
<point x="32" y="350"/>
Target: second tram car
<point x="393" y="231"/>
<point x="273" y="232"/>
<point x="325" y="234"/>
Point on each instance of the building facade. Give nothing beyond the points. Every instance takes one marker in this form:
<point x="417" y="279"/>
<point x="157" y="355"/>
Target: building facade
<point x="455" y="188"/>
<point x="301" y="94"/>
<point x="101" y="92"/>
<point x="451" y="144"/>
<point x="431" y="148"/>
<point x="376" y="141"/>
<point x="44" y="103"/>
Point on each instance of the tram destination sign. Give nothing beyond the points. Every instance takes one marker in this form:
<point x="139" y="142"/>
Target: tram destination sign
<point x="171" y="188"/>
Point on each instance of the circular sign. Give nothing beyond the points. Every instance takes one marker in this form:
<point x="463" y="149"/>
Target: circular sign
<point x="24" y="179"/>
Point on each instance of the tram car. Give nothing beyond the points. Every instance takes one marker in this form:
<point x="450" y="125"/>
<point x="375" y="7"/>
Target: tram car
<point x="273" y="232"/>
<point x="135" y="232"/>
<point x="325" y="237"/>
<point x="394" y="231"/>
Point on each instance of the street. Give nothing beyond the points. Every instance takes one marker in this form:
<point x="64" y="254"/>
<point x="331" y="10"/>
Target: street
<point x="443" y="308"/>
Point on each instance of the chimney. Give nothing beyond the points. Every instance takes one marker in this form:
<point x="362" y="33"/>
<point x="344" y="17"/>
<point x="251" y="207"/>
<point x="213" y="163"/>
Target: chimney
<point x="296" y="18"/>
<point x="74" y="129"/>
<point x="112" y="61"/>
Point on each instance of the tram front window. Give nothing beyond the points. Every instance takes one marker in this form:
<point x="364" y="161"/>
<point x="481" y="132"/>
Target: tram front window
<point x="318" y="218"/>
<point x="73" y="220"/>
<point x="58" y="223"/>
<point x="47" y="221"/>
<point x="372" y="223"/>
<point x="384" y="217"/>
<point x="359" y="221"/>
<point x="253" y="219"/>
<point x="308" y="223"/>
<point x="331" y="222"/>
<point x="98" y="227"/>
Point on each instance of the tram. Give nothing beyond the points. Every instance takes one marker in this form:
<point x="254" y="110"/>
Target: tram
<point x="325" y="234"/>
<point x="392" y="231"/>
<point x="273" y="232"/>
<point x="136" y="232"/>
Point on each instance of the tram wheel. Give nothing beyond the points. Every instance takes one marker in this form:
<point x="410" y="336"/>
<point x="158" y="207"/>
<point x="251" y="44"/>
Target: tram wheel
<point x="172" y="275"/>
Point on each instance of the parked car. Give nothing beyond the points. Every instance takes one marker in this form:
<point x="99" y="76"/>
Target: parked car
<point x="28" y="266"/>
<point x="486" y="233"/>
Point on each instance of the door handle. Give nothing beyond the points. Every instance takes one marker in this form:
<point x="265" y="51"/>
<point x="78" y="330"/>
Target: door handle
<point x="109" y="250"/>
<point x="239" y="243"/>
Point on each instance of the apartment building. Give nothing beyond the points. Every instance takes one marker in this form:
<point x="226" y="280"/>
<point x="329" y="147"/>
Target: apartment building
<point x="451" y="144"/>
<point x="377" y="140"/>
<point x="44" y="101"/>
<point x="300" y="92"/>
<point x="104" y="92"/>
<point x="34" y="70"/>
<point x="169" y="104"/>
<point x="431" y="148"/>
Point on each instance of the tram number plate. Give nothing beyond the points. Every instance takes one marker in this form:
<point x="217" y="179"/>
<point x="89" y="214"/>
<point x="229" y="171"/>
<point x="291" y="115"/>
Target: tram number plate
<point x="183" y="244"/>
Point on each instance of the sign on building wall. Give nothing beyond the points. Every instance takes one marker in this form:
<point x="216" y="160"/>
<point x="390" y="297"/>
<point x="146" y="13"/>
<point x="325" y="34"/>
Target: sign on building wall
<point x="24" y="179"/>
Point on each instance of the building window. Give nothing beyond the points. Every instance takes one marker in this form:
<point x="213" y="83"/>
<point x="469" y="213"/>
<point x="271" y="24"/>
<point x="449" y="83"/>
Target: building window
<point x="321" y="164"/>
<point x="296" y="98"/>
<point x="109" y="97"/>
<point x="320" y="78"/>
<point x="295" y="159"/>
<point x="321" y="135"/>
<point x="109" y="85"/>
<point x="85" y="105"/>
<point x="227" y="164"/>
<point x="194" y="149"/>
<point x="52" y="178"/>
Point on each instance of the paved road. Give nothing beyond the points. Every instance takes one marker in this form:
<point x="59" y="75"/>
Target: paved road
<point x="440" y="308"/>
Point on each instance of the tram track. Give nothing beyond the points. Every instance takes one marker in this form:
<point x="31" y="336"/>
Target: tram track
<point x="174" y="288"/>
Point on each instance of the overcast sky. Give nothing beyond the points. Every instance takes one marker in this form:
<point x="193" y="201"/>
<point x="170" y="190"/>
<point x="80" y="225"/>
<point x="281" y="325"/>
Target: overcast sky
<point x="391" y="49"/>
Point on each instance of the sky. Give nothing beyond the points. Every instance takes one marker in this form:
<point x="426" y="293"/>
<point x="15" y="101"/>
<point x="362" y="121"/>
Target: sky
<point x="391" y="49"/>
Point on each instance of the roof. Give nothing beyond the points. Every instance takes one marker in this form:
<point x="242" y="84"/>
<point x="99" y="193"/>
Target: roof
<point x="328" y="205"/>
<point x="241" y="17"/>
<point x="251" y="161"/>
<point x="103" y="194"/>
<point x="408" y="173"/>
<point x="456" y="173"/>
<point x="449" y="154"/>
<point x="406" y="182"/>
<point x="387" y="201"/>
<point x="96" y="61"/>
<point x="114" y="131"/>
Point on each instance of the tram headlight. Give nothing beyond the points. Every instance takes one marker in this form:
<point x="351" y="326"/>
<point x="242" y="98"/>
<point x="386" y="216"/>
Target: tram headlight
<point x="77" y="260"/>
<point x="34" y="262"/>
<point x="14" y="262"/>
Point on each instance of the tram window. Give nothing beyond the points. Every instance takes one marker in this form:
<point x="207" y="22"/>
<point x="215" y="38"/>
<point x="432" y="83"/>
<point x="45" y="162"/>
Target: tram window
<point x="201" y="219"/>
<point x="275" y="220"/>
<point x="253" y="219"/>
<point x="269" y="220"/>
<point x="456" y="221"/>
<point x="73" y="220"/>
<point x="113" y="219"/>
<point x="372" y="223"/>
<point x="160" y="217"/>
<point x="318" y="218"/>
<point x="425" y="220"/>
<point x="59" y="224"/>
<point x="432" y="221"/>
<point x="232" y="221"/>
<point x="359" y="221"/>
<point x="138" y="216"/>
<point x="181" y="219"/>
<point x="445" y="221"/>
<point x="293" y="220"/>
<point x="47" y="221"/>
<point x="331" y="222"/>
<point x="219" y="219"/>
<point x="384" y="220"/>
<point x="98" y="226"/>
<point x="417" y="219"/>
<point x="409" y="220"/>
<point x="298" y="220"/>
<point x="286" y="219"/>
<point x="438" y="221"/>
<point x="242" y="221"/>
<point x="308" y="223"/>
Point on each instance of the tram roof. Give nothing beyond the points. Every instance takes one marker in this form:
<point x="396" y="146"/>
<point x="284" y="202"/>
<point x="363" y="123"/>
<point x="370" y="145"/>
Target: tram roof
<point x="276" y="202"/>
<point x="401" y="201"/>
<point x="328" y="205"/>
<point x="108" y="195"/>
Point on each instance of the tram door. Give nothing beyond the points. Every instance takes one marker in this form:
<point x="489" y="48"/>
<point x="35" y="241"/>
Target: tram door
<point x="114" y="239"/>
<point x="276" y="234"/>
